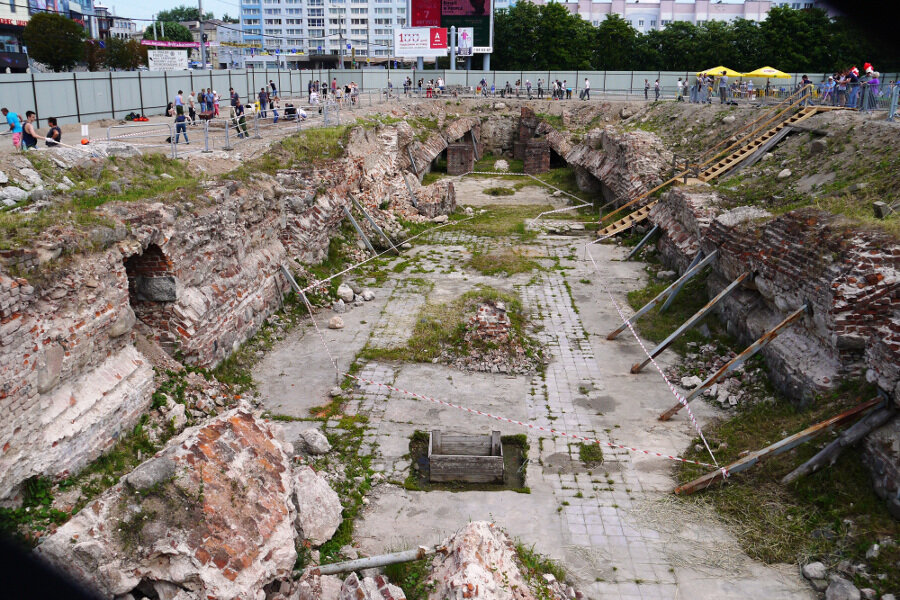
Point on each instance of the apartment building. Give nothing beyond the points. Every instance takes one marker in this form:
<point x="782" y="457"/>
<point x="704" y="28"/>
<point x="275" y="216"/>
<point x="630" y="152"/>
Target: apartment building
<point x="289" y="32"/>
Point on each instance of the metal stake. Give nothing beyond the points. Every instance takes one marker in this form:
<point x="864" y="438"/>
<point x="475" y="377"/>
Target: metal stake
<point x="697" y="258"/>
<point x="690" y="322"/>
<point x="642" y="242"/>
<point x="372" y="222"/>
<point x="359" y="230"/>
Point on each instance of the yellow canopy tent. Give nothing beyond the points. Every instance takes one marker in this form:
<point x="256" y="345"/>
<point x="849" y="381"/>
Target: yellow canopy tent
<point x="717" y="72"/>
<point x="767" y="72"/>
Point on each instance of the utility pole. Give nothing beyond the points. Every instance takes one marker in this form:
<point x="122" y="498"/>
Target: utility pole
<point x="162" y="25"/>
<point x="202" y="35"/>
<point x="154" y="32"/>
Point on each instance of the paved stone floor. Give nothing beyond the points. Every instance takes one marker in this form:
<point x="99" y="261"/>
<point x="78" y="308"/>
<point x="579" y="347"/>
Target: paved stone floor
<point x="615" y="527"/>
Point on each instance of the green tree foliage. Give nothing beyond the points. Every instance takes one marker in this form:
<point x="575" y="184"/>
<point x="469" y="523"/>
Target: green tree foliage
<point x="175" y="32"/>
<point x="127" y="55"/>
<point x="182" y="13"/>
<point x="530" y="37"/>
<point x="226" y="18"/>
<point x="54" y="40"/>
<point x="546" y="37"/>
<point x="94" y="55"/>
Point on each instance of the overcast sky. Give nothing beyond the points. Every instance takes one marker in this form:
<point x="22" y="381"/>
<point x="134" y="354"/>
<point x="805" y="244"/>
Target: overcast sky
<point x="146" y="9"/>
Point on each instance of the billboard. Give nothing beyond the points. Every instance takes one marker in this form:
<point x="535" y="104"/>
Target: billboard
<point x="60" y="7"/>
<point x="411" y="42"/>
<point x="167" y="60"/>
<point x="475" y="14"/>
<point x="425" y="13"/>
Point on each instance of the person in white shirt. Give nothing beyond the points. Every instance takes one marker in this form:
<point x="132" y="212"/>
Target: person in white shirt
<point x="586" y="94"/>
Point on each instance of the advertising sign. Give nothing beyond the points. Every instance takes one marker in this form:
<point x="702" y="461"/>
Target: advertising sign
<point x="425" y="13"/>
<point x="464" y="41"/>
<point x="167" y="60"/>
<point x="420" y="41"/>
<point x="475" y="14"/>
<point x="168" y="44"/>
<point x="60" y="7"/>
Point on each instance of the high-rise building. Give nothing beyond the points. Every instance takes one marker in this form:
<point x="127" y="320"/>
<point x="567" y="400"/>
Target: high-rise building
<point x="295" y="33"/>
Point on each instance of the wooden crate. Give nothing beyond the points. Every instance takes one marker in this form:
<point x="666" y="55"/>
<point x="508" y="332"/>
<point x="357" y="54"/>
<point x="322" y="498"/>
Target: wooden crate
<point x="467" y="458"/>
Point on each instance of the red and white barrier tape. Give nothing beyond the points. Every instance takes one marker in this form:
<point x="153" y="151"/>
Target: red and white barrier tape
<point x="670" y="385"/>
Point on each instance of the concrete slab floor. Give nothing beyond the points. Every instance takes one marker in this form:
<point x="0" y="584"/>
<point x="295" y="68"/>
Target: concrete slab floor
<point x="615" y="527"/>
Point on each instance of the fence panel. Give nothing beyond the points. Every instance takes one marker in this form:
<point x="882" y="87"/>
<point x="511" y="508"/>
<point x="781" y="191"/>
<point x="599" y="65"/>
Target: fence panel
<point x="125" y="94"/>
<point x="94" y="96"/>
<point x="49" y="97"/>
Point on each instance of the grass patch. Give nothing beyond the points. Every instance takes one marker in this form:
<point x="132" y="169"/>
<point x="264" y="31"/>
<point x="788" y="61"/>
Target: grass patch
<point x="509" y="261"/>
<point x="656" y="326"/>
<point x="500" y="220"/>
<point x="590" y="454"/>
<point x="410" y="577"/>
<point x="433" y="177"/>
<point x="535" y="566"/>
<point x="486" y="163"/>
<point x="499" y="191"/>
<point x="830" y="515"/>
<point x="555" y="120"/>
<point x="441" y="328"/>
<point x="310" y="146"/>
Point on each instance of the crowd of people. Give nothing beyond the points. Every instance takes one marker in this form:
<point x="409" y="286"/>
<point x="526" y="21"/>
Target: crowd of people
<point x="346" y="95"/>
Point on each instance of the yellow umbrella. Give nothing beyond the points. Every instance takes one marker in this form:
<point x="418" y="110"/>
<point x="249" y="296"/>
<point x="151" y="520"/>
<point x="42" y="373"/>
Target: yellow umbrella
<point x="717" y="71"/>
<point x="767" y="72"/>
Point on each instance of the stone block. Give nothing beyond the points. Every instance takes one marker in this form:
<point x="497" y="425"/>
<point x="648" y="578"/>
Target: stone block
<point x="537" y="156"/>
<point x="460" y="158"/>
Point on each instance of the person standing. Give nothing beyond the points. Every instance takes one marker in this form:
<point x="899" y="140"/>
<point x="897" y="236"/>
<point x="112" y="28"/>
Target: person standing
<point x="181" y="127"/>
<point x="528" y="87"/>
<point x="656" y="90"/>
<point x="540" y="89"/>
<point x="54" y="135"/>
<point x="192" y="112"/>
<point x="309" y="88"/>
<point x="29" y="133"/>
<point x="680" y="91"/>
<point x="587" y="89"/>
<point x="274" y="90"/>
<point x="646" y="90"/>
<point x="179" y="103"/>
<point x="263" y="101"/>
<point x="15" y="126"/>
<point x="723" y="88"/>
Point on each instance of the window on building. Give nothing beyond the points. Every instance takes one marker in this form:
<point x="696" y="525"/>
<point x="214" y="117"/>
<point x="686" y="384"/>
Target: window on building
<point x="357" y="32"/>
<point x="272" y="21"/>
<point x="316" y="33"/>
<point x="316" y="12"/>
<point x="316" y="23"/>
<point x="653" y="23"/>
<point x="359" y="21"/>
<point x="359" y="11"/>
<point x="665" y="22"/>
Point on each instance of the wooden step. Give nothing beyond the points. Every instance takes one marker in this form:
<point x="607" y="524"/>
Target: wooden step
<point x="628" y="221"/>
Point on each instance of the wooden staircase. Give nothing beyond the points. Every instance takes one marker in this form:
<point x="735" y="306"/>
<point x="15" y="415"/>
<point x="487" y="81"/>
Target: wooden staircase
<point x="729" y="162"/>
<point x="747" y="147"/>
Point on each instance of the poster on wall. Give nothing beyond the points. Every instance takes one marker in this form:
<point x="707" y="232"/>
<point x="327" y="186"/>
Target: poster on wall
<point x="411" y="42"/>
<point x="60" y="7"/>
<point x="167" y="60"/>
<point x="477" y="15"/>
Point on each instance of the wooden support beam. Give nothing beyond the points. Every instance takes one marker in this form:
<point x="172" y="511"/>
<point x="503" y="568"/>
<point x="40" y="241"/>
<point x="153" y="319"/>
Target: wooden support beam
<point x="690" y="322"/>
<point x="642" y="242"/>
<point x="829" y="454"/>
<point x="412" y="161"/>
<point x="737" y="361"/>
<point x="663" y="294"/>
<point x="777" y="448"/>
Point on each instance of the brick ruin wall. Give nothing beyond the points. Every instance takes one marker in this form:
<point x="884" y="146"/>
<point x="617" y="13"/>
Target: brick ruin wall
<point x="849" y="278"/>
<point x="201" y="277"/>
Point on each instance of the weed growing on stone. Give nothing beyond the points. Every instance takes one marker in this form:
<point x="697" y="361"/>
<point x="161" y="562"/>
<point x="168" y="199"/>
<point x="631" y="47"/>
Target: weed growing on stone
<point x="486" y="163"/>
<point x="535" y="565"/>
<point x="498" y="191"/>
<point x="411" y="578"/>
<point x="590" y="454"/>
<point x="36" y="513"/>
<point x="831" y="515"/>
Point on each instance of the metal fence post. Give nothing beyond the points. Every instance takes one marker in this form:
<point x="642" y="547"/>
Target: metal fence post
<point x="227" y="135"/>
<point x="77" y="106"/>
<point x="206" y="136"/>
<point x="141" y="92"/>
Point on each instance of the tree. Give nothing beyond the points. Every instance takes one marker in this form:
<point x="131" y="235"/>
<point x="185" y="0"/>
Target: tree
<point x="94" y="55"/>
<point x="126" y="55"/>
<point x="614" y="44"/>
<point x="54" y="40"/>
<point x="530" y="37"/>
<point x="226" y="18"/>
<point x="175" y="32"/>
<point x="182" y="13"/>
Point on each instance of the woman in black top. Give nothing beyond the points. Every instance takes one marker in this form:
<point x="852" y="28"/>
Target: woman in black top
<point x="54" y="136"/>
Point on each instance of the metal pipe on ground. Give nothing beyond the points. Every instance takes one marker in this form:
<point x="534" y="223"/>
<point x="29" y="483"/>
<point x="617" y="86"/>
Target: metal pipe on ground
<point x="371" y="562"/>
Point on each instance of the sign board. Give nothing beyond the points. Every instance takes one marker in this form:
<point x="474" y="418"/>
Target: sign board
<point x="169" y="44"/>
<point x="420" y="41"/>
<point x="477" y="15"/>
<point x="167" y="60"/>
<point x="59" y="7"/>
<point x="465" y="38"/>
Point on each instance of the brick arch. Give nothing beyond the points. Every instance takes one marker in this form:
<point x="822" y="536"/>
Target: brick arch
<point x="152" y="292"/>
